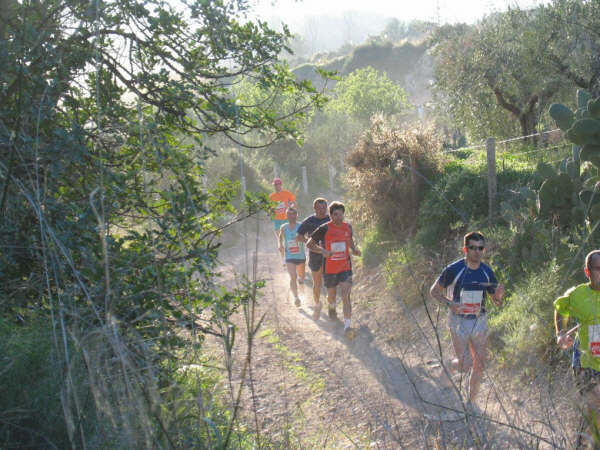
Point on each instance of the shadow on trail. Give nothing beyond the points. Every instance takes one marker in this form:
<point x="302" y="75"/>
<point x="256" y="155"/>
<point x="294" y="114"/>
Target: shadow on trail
<point x="426" y="395"/>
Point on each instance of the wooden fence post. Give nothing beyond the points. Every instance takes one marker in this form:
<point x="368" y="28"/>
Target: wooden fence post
<point x="490" y="145"/>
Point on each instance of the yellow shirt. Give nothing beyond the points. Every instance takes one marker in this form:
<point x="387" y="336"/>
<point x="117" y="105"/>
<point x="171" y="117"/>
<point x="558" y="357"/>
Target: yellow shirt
<point x="583" y="303"/>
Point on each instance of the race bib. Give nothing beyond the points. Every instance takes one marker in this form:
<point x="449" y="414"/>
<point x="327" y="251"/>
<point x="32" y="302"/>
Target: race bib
<point x="293" y="246"/>
<point x="280" y="208"/>
<point x="470" y="302"/>
<point x="594" y="338"/>
<point x="338" y="251"/>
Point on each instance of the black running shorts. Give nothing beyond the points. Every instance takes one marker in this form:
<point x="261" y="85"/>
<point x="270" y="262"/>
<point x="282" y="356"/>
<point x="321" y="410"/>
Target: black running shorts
<point x="331" y="280"/>
<point x="315" y="261"/>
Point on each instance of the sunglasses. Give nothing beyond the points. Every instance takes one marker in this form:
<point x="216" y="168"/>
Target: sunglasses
<point x="476" y="247"/>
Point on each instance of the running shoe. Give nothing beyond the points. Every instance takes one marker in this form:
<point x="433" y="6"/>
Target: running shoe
<point x="297" y="301"/>
<point x="317" y="311"/>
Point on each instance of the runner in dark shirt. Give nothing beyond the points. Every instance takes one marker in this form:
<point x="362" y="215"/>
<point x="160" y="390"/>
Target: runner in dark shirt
<point x="315" y="260"/>
<point x="335" y="242"/>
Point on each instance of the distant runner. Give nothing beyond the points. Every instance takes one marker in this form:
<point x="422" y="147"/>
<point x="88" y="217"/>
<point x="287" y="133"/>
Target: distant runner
<point x="337" y="243"/>
<point x="463" y="287"/>
<point x="282" y="199"/>
<point x="315" y="260"/>
<point x="583" y="304"/>
<point x="293" y="252"/>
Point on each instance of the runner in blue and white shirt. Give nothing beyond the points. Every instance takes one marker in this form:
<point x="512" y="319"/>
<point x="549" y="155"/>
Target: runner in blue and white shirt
<point x="293" y="251"/>
<point x="464" y="286"/>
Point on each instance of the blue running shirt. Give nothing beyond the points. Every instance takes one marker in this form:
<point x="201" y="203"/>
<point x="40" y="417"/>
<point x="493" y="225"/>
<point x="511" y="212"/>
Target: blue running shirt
<point x="293" y="248"/>
<point x="468" y="287"/>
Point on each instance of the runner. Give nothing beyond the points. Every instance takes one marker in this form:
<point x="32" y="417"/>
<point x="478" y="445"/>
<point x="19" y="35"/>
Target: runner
<point x="337" y="242"/>
<point x="293" y="252"/>
<point x="315" y="260"/>
<point x="463" y="286"/>
<point x="283" y="199"/>
<point x="583" y="304"/>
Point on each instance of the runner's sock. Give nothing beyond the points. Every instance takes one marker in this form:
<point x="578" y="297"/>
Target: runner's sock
<point x="346" y="324"/>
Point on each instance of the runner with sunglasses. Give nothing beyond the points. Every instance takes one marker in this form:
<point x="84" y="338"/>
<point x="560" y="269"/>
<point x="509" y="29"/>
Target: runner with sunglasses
<point x="463" y="287"/>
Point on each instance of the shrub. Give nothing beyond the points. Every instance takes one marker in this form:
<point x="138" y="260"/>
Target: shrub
<point x="459" y="198"/>
<point x="375" y="247"/>
<point x="525" y="324"/>
<point x="409" y="272"/>
<point x="386" y="180"/>
<point x="30" y="387"/>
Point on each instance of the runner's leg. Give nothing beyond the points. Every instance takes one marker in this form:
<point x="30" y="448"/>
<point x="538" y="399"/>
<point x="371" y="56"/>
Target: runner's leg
<point x="346" y="288"/>
<point x="478" y="348"/>
<point x="592" y="400"/>
<point x="291" y="268"/>
<point x="331" y="291"/>
<point x="461" y="363"/>
<point x="317" y="283"/>
<point x="300" y="270"/>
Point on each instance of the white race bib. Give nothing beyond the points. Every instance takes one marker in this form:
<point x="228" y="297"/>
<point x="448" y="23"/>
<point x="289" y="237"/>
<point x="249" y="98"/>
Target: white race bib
<point x="280" y="208"/>
<point x="594" y="338"/>
<point x="470" y="302"/>
<point x="293" y="247"/>
<point x="338" y="251"/>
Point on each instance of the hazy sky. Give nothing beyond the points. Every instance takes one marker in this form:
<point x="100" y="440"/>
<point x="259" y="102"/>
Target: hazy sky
<point x="294" y="11"/>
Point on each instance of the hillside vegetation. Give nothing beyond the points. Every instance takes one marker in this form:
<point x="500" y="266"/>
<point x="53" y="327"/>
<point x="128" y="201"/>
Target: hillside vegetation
<point x="128" y="131"/>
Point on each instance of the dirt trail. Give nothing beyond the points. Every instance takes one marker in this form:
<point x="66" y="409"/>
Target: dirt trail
<point x="311" y="387"/>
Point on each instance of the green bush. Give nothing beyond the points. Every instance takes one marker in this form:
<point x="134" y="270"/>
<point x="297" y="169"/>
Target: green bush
<point x="409" y="273"/>
<point x="459" y="198"/>
<point x="524" y="325"/>
<point x="375" y="247"/>
<point x="30" y="387"/>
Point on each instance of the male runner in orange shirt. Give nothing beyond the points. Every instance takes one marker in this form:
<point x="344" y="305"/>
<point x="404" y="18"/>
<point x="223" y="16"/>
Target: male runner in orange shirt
<point x="283" y="200"/>
<point x="338" y="242"/>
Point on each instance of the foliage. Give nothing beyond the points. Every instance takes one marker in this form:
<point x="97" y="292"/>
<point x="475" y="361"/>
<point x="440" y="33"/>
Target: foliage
<point x="574" y="42"/>
<point x="457" y="200"/>
<point x="375" y="246"/>
<point x="492" y="76"/>
<point x="390" y="169"/>
<point x="408" y="271"/>
<point x="396" y="30"/>
<point x="571" y="196"/>
<point x="365" y="92"/>
<point x="524" y="324"/>
<point x="107" y="232"/>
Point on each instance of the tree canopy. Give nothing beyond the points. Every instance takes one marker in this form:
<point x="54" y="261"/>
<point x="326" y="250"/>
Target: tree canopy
<point x="105" y="225"/>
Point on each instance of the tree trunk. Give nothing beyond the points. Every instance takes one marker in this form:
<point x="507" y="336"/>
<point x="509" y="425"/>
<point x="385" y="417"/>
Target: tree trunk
<point x="528" y="122"/>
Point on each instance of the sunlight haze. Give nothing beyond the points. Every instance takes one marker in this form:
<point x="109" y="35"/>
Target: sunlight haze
<point x="294" y="12"/>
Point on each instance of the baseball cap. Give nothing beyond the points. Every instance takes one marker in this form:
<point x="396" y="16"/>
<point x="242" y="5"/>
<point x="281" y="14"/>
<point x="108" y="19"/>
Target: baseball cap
<point x="277" y="181"/>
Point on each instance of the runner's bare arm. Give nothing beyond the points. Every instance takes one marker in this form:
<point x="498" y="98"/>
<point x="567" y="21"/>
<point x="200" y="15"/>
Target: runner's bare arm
<point x="280" y="245"/>
<point x="498" y="295"/>
<point x="316" y="248"/>
<point x="437" y="292"/>
<point x="563" y="340"/>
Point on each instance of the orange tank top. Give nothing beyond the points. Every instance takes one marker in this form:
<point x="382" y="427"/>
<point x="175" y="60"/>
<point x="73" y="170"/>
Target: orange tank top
<point x="337" y="240"/>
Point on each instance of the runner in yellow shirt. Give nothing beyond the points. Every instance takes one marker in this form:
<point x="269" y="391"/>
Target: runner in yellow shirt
<point x="583" y="304"/>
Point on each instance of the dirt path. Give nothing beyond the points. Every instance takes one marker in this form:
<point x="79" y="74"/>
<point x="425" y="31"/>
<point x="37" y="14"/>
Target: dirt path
<point x="310" y="387"/>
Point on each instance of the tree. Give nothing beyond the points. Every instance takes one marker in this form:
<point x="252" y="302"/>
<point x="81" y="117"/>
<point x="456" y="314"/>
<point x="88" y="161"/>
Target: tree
<point x="106" y="231"/>
<point x="574" y="45"/>
<point x="494" y="70"/>
<point x="365" y="92"/>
